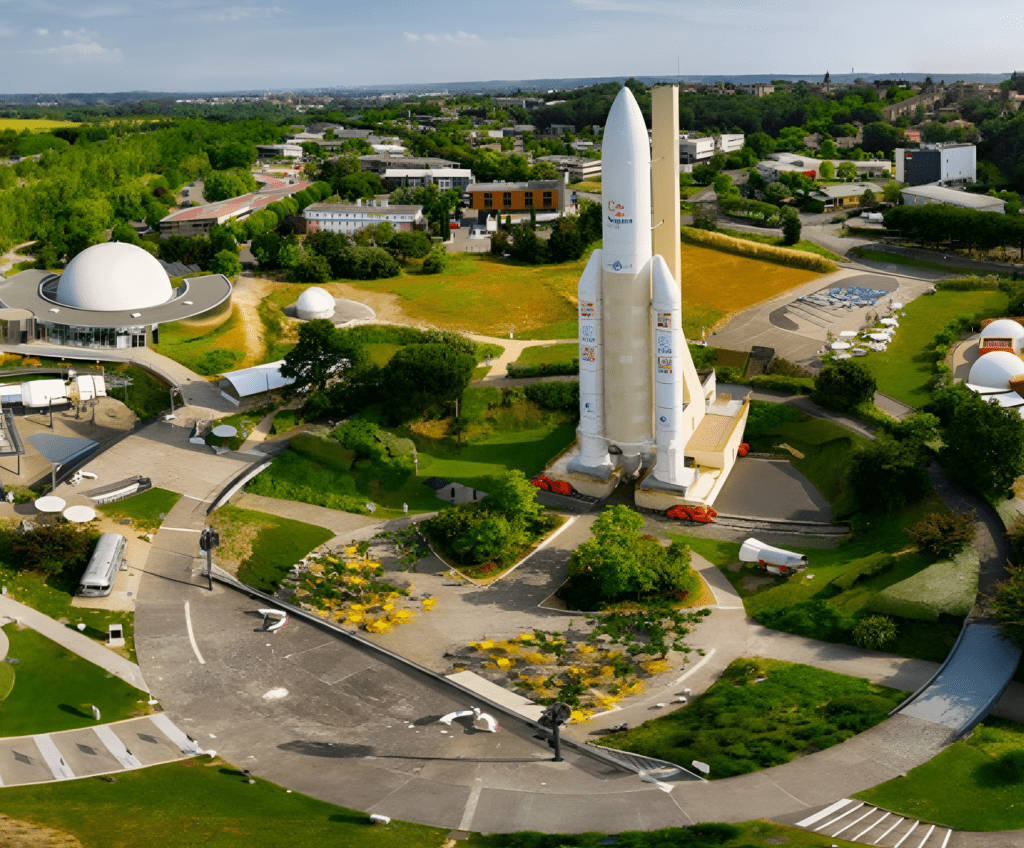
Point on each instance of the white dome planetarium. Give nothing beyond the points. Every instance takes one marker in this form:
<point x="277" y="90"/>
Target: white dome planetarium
<point x="314" y="302"/>
<point x="113" y="276"/>
<point x="994" y="372"/>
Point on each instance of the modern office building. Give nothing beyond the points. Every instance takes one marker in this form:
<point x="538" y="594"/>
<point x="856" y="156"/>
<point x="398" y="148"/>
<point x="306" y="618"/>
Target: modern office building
<point x="542" y="195"/>
<point x="937" y="164"/>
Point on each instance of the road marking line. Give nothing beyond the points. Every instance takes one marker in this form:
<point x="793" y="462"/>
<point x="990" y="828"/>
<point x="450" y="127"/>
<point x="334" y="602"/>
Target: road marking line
<point x="191" y="635"/>
<point x="194" y="498"/>
<point x="840" y="816"/>
<point x="471" y="802"/>
<point x="821" y="814"/>
<point x="113" y="743"/>
<point x="189" y="747"/>
<point x="51" y="756"/>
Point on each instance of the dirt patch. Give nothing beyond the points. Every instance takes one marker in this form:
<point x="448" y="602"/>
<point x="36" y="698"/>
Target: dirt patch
<point x="793" y="451"/>
<point x="752" y="583"/>
<point x="735" y="567"/>
<point x="236" y="541"/>
<point x="387" y="306"/>
<point x="19" y="834"/>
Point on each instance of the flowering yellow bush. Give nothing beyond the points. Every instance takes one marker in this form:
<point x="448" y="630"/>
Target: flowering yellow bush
<point x="429" y="604"/>
<point x="402" y="616"/>
<point x="536" y="658"/>
<point x="580" y="716"/>
<point x="502" y="662"/>
<point x="655" y="666"/>
<point x="379" y="625"/>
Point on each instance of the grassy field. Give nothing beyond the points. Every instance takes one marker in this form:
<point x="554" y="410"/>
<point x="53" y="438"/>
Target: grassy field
<point x="206" y="349"/>
<point x="548" y="354"/>
<point x="905" y="261"/>
<point x="762" y="713"/>
<point x="34" y="124"/>
<point x="522" y="436"/>
<point x="265" y="546"/>
<point x="972" y="785"/>
<point x="904" y="370"/>
<point x="494" y="296"/>
<point x="145" y="510"/>
<point x="55" y="689"/>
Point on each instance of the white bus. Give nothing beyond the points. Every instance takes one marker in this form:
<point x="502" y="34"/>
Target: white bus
<point x="99" y="575"/>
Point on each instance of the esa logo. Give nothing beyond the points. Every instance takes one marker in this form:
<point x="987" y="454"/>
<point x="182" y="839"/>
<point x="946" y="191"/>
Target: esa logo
<point x="617" y="266"/>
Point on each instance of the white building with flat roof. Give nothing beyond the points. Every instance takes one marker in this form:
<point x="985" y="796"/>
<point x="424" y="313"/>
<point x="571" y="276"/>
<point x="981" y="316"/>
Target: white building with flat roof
<point x="349" y="218"/>
<point x="443" y="178"/>
<point x="730" y="142"/>
<point x="925" y="194"/>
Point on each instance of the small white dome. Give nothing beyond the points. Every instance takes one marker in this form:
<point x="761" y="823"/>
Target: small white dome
<point x="995" y="370"/>
<point x="314" y="302"/>
<point x="113" y="276"/>
<point x="1004" y="328"/>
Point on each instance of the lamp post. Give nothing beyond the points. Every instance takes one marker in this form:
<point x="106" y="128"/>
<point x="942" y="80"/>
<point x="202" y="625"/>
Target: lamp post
<point x="208" y="540"/>
<point x="555" y="716"/>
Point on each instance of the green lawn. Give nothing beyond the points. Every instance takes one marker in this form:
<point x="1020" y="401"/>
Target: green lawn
<point x="548" y="354"/>
<point x="147" y="396"/>
<point x="145" y="510"/>
<point x="904" y="370"/>
<point x="972" y="785"/>
<point x="206" y="349"/>
<point x="762" y="713"/>
<point x="55" y="689"/>
<point x="275" y="543"/>
<point x="899" y="259"/>
<point x="243" y="422"/>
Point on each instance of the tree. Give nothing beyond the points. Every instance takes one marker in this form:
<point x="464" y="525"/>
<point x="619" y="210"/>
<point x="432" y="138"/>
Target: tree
<point x="790" y="225"/>
<point x="846" y="171"/>
<point x="777" y="192"/>
<point x="704" y="174"/>
<point x="887" y="474"/>
<point x="437" y="261"/>
<point x="53" y="548"/>
<point x="266" y="248"/>
<point x="983" y="446"/>
<point x="704" y="216"/>
<point x="321" y="354"/>
<point x="878" y="135"/>
<point x="891" y="192"/>
<point x="846" y="384"/>
<point x="413" y="245"/>
<point x="828" y="150"/>
<point x="226" y="262"/>
<point x="220" y="185"/>
<point x="515" y="497"/>
<point x="566" y="242"/>
<point x="868" y="199"/>
<point x="827" y="171"/>
<point x="421" y="376"/>
<point x="874" y="632"/>
<point x="124" y="232"/>
<point x="312" y="268"/>
<point x="944" y="534"/>
<point x="617" y="562"/>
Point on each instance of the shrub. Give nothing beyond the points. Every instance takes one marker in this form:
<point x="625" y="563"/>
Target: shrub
<point x="436" y="262"/>
<point x="765" y="252"/>
<point x="945" y="535"/>
<point x="54" y="549"/>
<point x="557" y="396"/>
<point x="544" y="369"/>
<point x="843" y="385"/>
<point x="813" y="618"/>
<point x="874" y="632"/>
<point x="779" y="383"/>
<point x="218" y="361"/>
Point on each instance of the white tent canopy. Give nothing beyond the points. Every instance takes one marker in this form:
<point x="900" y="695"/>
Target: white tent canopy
<point x="259" y="378"/>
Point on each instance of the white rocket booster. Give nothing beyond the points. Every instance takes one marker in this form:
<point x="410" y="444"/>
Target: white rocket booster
<point x="632" y="390"/>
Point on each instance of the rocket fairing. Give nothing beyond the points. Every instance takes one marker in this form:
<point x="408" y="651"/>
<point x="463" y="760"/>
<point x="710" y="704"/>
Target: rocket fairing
<point x="626" y="278"/>
<point x="632" y="387"/>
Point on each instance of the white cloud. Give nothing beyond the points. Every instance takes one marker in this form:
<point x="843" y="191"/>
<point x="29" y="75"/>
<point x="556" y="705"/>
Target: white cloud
<point x="102" y="12"/>
<point x="459" y="37"/>
<point x="41" y="32"/>
<point x="80" y="34"/>
<point x="236" y="13"/>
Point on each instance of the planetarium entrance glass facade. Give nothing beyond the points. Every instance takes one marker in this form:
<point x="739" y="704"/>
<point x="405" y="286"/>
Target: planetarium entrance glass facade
<point x="102" y="337"/>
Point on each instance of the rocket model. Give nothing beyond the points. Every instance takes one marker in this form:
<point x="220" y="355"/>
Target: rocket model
<point x="638" y="387"/>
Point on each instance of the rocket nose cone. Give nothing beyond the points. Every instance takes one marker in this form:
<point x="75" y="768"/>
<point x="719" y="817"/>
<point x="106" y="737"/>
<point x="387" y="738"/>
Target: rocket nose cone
<point x="625" y="132"/>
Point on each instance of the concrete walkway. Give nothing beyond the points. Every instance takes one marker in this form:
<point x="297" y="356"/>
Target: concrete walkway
<point x="513" y="350"/>
<point x="92" y="751"/>
<point x="74" y="641"/>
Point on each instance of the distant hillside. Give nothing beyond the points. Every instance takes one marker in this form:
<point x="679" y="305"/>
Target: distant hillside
<point x="483" y="86"/>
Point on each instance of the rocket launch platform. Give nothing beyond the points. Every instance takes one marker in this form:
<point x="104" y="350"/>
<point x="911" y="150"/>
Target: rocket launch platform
<point x="645" y="412"/>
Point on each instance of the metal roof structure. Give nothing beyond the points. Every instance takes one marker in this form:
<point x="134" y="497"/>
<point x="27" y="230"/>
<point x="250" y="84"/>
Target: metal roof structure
<point x="260" y="378"/>
<point x="60" y="450"/>
<point x="10" y="440"/>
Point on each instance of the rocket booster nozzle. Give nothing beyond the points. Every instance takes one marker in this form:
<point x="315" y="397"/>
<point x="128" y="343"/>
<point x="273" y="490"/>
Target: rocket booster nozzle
<point x="626" y="188"/>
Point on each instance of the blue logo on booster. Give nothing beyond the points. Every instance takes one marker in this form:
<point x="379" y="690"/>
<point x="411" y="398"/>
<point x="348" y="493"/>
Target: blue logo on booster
<point x="617" y="266"/>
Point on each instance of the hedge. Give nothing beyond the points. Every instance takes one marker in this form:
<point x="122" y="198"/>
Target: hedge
<point x="756" y="250"/>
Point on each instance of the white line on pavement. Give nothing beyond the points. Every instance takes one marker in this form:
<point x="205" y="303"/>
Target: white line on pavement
<point x="51" y="756"/>
<point x="116" y="747"/>
<point x="471" y="802"/>
<point x="187" y="746"/>
<point x="191" y="635"/>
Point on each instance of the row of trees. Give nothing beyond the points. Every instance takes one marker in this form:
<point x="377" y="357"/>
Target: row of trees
<point x="937" y="223"/>
<point x="571" y="237"/>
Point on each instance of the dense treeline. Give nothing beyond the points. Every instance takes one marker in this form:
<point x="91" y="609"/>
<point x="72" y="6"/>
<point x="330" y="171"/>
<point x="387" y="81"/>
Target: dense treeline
<point x="940" y="224"/>
<point x="75" y="190"/>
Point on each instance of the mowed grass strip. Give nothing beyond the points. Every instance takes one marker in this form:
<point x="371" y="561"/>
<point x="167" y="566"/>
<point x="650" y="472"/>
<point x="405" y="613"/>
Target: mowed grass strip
<point x="973" y="785"/>
<point x="548" y="354"/>
<point x="271" y="544"/>
<point x="202" y="802"/>
<point x="55" y="689"/>
<point x="145" y="510"/>
<point x="762" y="713"/>
<point x="204" y="348"/>
<point x="904" y="370"/>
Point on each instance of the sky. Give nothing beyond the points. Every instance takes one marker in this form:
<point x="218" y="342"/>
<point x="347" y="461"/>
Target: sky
<point x="198" y="45"/>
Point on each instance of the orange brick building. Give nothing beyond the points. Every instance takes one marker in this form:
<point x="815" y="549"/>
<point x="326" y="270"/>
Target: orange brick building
<point x="542" y="195"/>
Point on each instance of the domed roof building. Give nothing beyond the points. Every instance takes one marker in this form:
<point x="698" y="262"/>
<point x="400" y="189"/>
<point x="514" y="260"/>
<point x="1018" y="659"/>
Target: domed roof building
<point x="1001" y="335"/>
<point x="111" y="295"/>
<point x="314" y="302"/>
<point x="112" y="276"/>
